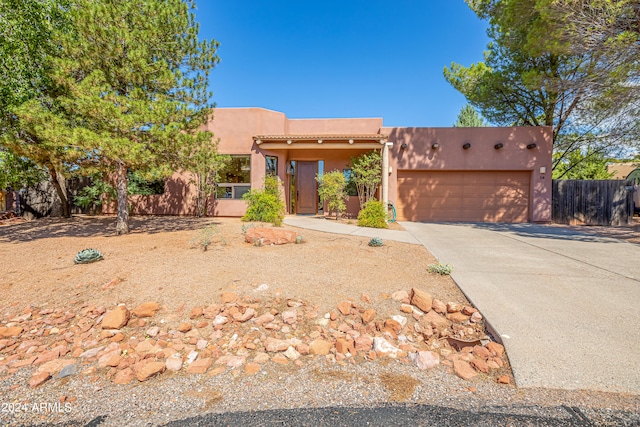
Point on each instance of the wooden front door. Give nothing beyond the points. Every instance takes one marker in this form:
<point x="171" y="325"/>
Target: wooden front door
<point x="306" y="188"/>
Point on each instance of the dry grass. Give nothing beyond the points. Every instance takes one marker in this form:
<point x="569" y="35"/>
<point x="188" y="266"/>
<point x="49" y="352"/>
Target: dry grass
<point x="399" y="387"/>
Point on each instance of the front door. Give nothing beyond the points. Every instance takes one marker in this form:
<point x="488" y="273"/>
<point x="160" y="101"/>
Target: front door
<point x="306" y="188"/>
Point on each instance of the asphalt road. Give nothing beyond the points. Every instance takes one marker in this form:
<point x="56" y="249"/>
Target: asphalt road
<point x="410" y="415"/>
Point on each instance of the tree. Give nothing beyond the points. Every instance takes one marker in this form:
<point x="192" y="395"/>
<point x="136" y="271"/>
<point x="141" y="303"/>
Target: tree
<point x="27" y="40"/>
<point x="17" y="172"/>
<point x="582" y="165"/>
<point x="332" y="191"/>
<point x="134" y="80"/>
<point x="539" y="71"/>
<point x="205" y="162"/>
<point x="469" y="117"/>
<point x="366" y="173"/>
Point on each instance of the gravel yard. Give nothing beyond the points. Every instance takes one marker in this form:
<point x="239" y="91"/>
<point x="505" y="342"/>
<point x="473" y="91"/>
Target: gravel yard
<point x="330" y="283"/>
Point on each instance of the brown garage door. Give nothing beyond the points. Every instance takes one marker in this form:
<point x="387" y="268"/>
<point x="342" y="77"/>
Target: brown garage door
<point x="475" y="196"/>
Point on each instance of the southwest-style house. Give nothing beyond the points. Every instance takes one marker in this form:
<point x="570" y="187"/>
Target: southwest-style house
<point x="430" y="174"/>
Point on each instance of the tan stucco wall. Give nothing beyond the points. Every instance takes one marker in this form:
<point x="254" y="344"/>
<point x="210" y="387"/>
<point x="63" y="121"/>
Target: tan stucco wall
<point x="481" y="156"/>
<point x="621" y="170"/>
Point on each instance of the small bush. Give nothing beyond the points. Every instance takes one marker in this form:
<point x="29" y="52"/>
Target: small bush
<point x="206" y="237"/>
<point x="376" y="242"/>
<point x="373" y="214"/>
<point x="300" y="239"/>
<point x="87" y="256"/>
<point x="265" y="205"/>
<point x="331" y="189"/>
<point x="440" y="268"/>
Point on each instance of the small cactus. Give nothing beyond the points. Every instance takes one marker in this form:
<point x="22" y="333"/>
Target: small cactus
<point x="375" y="242"/>
<point x="299" y="239"/>
<point x="86" y="256"/>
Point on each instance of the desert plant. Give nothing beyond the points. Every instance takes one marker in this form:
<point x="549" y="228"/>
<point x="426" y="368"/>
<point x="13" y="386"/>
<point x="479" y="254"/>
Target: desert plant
<point x="376" y="242"/>
<point x="332" y="191"/>
<point x="266" y="204"/>
<point x="300" y="239"/>
<point x="440" y="268"/>
<point x="206" y="237"/>
<point x="366" y="174"/>
<point x="246" y="227"/>
<point x="373" y="214"/>
<point x="86" y="256"/>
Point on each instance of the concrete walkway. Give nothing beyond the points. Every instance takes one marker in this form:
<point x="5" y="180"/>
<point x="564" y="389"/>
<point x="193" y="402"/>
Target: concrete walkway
<point x="565" y="304"/>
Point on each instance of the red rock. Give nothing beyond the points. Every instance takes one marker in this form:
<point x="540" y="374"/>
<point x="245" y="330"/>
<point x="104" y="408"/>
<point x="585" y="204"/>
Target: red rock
<point x="265" y="318"/>
<point x="406" y="308"/>
<point x="147" y="309"/>
<point x="55" y="366"/>
<point x="364" y="343"/>
<point x="110" y="359"/>
<point x="212" y="311"/>
<point x="399" y="295"/>
<point x="504" y="379"/>
<point x="117" y="337"/>
<point x="148" y="370"/>
<point x="124" y="377"/>
<point x="421" y="299"/>
<point x="435" y="320"/>
<point x="495" y="348"/>
<point x="25" y="362"/>
<point x="468" y="310"/>
<point x="481" y="352"/>
<point x="368" y="316"/>
<point x="464" y="370"/>
<point x="438" y="306"/>
<point x="116" y="318"/>
<point x="480" y="365"/>
<point x="13" y="331"/>
<point x="427" y="360"/>
<point x="393" y="325"/>
<point x="273" y="345"/>
<point x="457" y="317"/>
<point x="184" y="327"/>
<point x="281" y="359"/>
<point x="333" y="315"/>
<point x="270" y="236"/>
<point x="365" y="298"/>
<point x="196" y="312"/>
<point x="344" y="346"/>
<point x="38" y="379"/>
<point x="453" y="307"/>
<point x="476" y="317"/>
<point x="319" y="347"/>
<point x="252" y="368"/>
<point x="289" y="317"/>
<point x="200" y="366"/>
<point x="174" y="363"/>
<point x="246" y="316"/>
<point x="344" y="308"/>
<point x="228" y="297"/>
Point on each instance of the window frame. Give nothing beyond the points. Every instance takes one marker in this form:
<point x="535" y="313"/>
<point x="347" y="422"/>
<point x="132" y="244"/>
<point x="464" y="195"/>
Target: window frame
<point x="234" y="190"/>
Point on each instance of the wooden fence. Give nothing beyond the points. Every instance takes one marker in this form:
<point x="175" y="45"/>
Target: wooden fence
<point x="602" y="202"/>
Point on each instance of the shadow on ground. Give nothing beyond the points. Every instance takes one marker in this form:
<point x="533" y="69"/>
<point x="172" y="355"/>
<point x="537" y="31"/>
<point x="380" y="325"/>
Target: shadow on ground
<point x="96" y="226"/>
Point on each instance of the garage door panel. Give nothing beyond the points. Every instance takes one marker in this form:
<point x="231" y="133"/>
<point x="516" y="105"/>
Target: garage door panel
<point x="484" y="196"/>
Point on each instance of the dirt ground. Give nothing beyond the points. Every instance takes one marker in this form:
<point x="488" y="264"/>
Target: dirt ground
<point x="159" y="261"/>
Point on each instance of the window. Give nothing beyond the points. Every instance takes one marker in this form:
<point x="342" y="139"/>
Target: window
<point x="272" y="165"/>
<point x="235" y="178"/>
<point x="351" y="186"/>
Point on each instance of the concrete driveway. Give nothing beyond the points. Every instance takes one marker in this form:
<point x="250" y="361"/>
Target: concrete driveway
<point x="565" y="304"/>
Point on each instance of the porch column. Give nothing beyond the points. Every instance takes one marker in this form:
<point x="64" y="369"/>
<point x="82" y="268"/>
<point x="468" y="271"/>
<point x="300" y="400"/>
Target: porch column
<point x="385" y="173"/>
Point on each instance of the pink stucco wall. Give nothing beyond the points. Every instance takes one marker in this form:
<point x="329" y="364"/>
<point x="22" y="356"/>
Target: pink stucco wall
<point x="236" y="127"/>
<point x="481" y="156"/>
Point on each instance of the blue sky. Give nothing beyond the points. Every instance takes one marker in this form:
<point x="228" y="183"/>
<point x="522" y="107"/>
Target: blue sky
<point x="342" y="58"/>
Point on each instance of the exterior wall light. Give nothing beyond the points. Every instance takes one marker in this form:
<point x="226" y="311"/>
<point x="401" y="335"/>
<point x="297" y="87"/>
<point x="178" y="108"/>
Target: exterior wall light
<point x="351" y="141"/>
<point x="435" y="145"/>
<point x="498" y="146"/>
<point x="319" y="141"/>
<point x="531" y="146"/>
<point x="466" y="146"/>
<point x="289" y="141"/>
<point x="258" y="141"/>
<point x="404" y="145"/>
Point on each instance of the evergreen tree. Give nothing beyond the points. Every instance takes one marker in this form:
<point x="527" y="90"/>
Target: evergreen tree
<point x="469" y="117"/>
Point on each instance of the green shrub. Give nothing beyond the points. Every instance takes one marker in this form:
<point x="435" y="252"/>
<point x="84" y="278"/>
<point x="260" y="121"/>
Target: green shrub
<point x="265" y="205"/>
<point x="206" y="237"/>
<point x="373" y="214"/>
<point x="332" y="191"/>
<point x="440" y="268"/>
